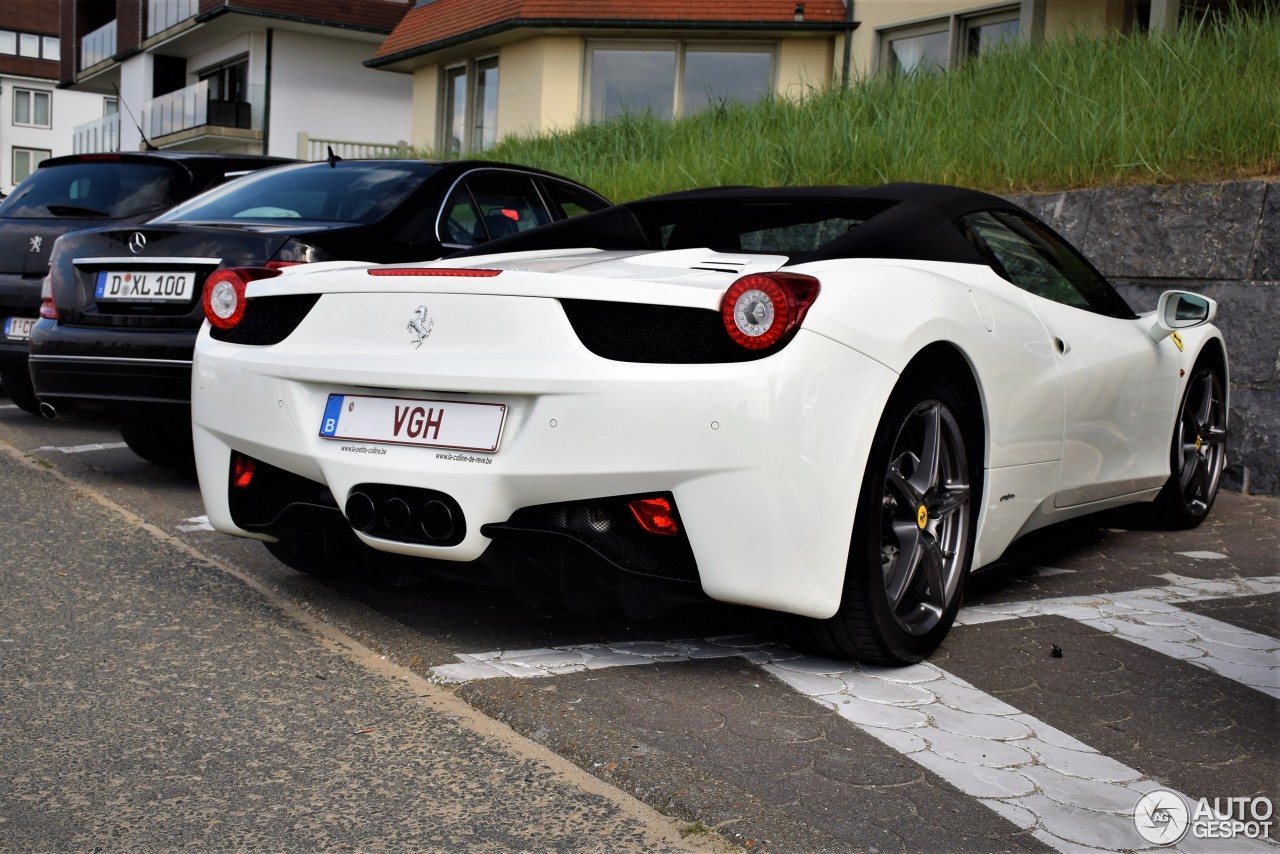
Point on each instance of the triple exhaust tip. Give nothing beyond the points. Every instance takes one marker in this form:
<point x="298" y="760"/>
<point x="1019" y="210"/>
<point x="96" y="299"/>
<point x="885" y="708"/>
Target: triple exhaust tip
<point x="434" y="517"/>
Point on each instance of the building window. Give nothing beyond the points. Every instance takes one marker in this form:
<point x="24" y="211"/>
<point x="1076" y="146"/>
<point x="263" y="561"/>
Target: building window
<point x="470" y="107"/>
<point x="670" y="79"/>
<point x="29" y="45"/>
<point x="31" y="108"/>
<point x="25" y="161"/>
<point x="919" y="50"/>
<point x="932" y="47"/>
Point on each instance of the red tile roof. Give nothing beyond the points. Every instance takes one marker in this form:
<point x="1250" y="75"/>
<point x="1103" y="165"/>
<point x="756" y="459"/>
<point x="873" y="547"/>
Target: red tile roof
<point x="449" y="19"/>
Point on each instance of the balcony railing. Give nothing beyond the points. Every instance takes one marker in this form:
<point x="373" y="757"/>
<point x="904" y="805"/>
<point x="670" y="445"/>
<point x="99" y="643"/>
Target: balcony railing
<point x="98" y="45"/>
<point x="163" y="14"/>
<point x="192" y="107"/>
<point x="97" y="136"/>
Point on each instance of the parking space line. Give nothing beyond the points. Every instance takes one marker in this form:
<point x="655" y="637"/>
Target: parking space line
<point x="1061" y="790"/>
<point x="1152" y="618"/>
<point x="81" y="449"/>
<point x="1148" y="617"/>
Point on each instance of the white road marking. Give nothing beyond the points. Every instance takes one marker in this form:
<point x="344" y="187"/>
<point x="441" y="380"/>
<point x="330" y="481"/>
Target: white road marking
<point x="1203" y="555"/>
<point x="1050" y="571"/>
<point x="1152" y="619"/>
<point x="1066" y="793"/>
<point x="82" y="449"/>
<point x="199" y="523"/>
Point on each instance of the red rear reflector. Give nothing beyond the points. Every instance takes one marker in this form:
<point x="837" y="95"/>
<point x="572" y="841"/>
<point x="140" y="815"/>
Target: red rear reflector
<point x="241" y="471"/>
<point x="655" y="516"/>
<point x="460" y="272"/>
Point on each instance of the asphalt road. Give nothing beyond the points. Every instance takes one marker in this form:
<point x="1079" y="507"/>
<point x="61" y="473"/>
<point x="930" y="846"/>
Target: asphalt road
<point x="164" y="686"/>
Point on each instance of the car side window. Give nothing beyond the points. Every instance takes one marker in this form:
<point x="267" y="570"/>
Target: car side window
<point x="489" y="205"/>
<point x="1035" y="259"/>
<point x="570" y="201"/>
<point x="1022" y="261"/>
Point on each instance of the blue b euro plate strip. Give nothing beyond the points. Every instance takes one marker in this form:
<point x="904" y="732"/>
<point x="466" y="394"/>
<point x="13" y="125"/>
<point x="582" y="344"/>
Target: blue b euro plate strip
<point x="329" y="425"/>
<point x="101" y="287"/>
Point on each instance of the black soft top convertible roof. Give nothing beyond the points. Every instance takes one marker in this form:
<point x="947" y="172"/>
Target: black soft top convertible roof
<point x="915" y="221"/>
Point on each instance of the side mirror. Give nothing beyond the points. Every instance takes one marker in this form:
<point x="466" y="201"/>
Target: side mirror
<point x="1181" y="310"/>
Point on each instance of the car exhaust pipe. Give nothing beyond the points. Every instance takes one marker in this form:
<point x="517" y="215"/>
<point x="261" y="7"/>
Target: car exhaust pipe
<point x="436" y="520"/>
<point x="48" y="411"/>
<point x="405" y="514"/>
<point x="360" y="511"/>
<point x="396" y="515"/>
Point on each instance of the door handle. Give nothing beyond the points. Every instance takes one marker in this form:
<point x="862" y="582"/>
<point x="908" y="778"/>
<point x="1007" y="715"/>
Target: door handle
<point x="1063" y="347"/>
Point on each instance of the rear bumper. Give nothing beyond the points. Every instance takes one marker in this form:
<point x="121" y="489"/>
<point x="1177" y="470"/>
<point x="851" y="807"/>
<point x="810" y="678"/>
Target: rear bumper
<point x="114" y="389"/>
<point x="112" y="374"/>
<point x="19" y="297"/>
<point x="763" y="459"/>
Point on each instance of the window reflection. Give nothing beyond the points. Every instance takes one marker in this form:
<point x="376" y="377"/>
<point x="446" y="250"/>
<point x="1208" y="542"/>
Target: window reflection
<point x="632" y="81"/>
<point x="922" y="54"/>
<point x="712" y="77"/>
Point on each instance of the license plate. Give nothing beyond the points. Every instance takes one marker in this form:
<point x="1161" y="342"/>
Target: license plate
<point x="18" y="328"/>
<point x="144" y="286"/>
<point x="406" y="421"/>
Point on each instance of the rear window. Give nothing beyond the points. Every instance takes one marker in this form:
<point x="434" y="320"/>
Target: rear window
<point x="783" y="228"/>
<point x="348" y="192"/>
<point x="109" y="189"/>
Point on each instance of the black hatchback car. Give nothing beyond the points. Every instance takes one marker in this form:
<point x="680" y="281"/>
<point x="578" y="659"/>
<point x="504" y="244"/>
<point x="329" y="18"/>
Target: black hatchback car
<point x="85" y="191"/>
<point x="123" y="305"/>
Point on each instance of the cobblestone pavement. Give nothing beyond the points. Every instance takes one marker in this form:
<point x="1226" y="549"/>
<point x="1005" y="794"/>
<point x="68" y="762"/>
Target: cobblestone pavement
<point x="1110" y="662"/>
<point x="1060" y="790"/>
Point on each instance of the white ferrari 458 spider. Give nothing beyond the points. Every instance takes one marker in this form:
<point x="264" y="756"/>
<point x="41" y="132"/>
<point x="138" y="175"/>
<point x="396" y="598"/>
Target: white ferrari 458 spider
<point x="829" y="402"/>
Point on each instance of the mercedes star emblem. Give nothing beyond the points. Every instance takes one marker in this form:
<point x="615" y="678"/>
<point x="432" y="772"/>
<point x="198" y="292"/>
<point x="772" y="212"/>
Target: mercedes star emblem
<point x="137" y="242"/>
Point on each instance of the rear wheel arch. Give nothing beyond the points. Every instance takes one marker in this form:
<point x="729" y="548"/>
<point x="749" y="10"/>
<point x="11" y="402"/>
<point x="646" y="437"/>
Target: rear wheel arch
<point x="947" y="360"/>
<point x="901" y="591"/>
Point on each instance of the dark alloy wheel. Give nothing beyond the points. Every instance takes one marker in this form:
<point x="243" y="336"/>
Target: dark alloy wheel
<point x="913" y="539"/>
<point x="17" y="384"/>
<point x="1197" y="455"/>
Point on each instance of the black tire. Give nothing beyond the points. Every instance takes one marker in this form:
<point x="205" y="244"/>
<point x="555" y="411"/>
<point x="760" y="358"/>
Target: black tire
<point x="17" y="384"/>
<point x="1197" y="453"/>
<point x="897" y="612"/>
<point x="165" y="445"/>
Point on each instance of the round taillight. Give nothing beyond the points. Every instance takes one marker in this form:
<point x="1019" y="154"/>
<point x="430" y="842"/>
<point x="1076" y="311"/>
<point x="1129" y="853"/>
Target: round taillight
<point x="224" y="293"/>
<point x="760" y="308"/>
<point x="224" y="298"/>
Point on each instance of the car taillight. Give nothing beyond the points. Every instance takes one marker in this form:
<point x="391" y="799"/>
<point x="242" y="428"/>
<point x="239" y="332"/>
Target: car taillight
<point x="280" y="265"/>
<point x="761" y="309"/>
<point x="48" y="308"/>
<point x="462" y="272"/>
<point x="224" y="299"/>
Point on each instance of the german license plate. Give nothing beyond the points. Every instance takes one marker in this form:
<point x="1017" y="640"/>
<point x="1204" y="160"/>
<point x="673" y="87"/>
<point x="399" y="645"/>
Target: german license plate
<point x="407" y="421"/>
<point x="144" y="286"/>
<point x="18" y="328"/>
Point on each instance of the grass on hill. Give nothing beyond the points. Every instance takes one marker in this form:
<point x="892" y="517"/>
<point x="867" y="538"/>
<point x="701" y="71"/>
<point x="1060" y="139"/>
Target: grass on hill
<point x="1199" y="104"/>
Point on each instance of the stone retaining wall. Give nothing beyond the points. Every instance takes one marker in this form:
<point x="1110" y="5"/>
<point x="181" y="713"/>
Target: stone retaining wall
<point x="1222" y="240"/>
